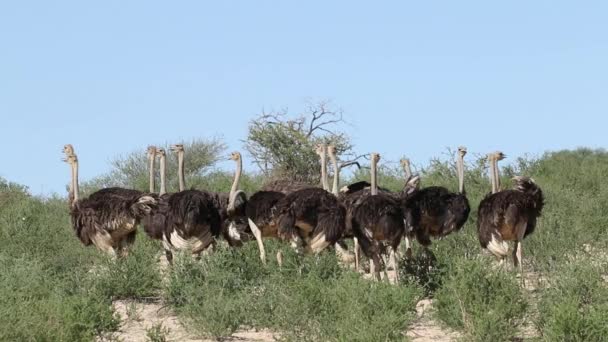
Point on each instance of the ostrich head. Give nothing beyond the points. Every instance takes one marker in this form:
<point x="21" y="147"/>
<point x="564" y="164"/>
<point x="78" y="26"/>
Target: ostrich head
<point x="151" y="151"/>
<point x="236" y="156"/>
<point x="320" y="149"/>
<point x="331" y="150"/>
<point x="160" y="152"/>
<point x="68" y="149"/>
<point x="462" y="151"/>
<point x="499" y="155"/>
<point x="177" y="148"/>
<point x="375" y="157"/>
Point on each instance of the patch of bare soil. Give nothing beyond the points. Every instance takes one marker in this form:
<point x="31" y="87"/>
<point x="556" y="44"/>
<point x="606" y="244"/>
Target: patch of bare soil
<point x="425" y="329"/>
<point x="139" y="318"/>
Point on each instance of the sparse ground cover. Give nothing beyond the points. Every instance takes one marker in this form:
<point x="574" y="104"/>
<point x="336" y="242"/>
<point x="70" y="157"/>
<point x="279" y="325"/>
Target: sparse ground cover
<point x="55" y="289"/>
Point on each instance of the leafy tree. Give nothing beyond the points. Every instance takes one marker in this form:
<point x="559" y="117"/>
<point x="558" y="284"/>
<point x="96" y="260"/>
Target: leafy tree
<point x="282" y="146"/>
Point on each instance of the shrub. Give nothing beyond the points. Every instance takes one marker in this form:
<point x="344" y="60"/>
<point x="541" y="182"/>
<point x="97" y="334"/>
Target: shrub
<point x="575" y="305"/>
<point x="486" y="303"/>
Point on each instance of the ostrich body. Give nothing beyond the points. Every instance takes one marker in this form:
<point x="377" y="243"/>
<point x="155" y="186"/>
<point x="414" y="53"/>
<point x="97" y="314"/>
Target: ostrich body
<point x="377" y="218"/>
<point x="308" y="215"/>
<point x="509" y="215"/>
<point x="312" y="217"/>
<point x="109" y="217"/>
<point x="436" y="212"/>
<point x="192" y="219"/>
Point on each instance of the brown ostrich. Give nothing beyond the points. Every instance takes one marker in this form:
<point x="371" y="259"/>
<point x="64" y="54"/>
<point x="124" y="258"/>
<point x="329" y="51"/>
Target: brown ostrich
<point x="377" y="218"/>
<point x="109" y="217"/>
<point x="309" y="217"/>
<point x="436" y="212"/>
<point x="192" y="219"/>
<point x="509" y="215"/>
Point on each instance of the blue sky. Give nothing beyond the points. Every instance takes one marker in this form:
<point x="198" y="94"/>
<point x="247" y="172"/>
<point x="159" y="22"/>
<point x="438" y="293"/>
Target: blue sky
<point x="413" y="78"/>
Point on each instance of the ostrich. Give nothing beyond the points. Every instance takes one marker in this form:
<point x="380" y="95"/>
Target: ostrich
<point x="436" y="212"/>
<point x="509" y="215"/>
<point x="376" y="218"/>
<point x="195" y="218"/>
<point x="106" y="219"/>
<point x="310" y="213"/>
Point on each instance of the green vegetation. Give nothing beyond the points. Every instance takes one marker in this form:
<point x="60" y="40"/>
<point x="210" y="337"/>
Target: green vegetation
<point x="55" y="289"/>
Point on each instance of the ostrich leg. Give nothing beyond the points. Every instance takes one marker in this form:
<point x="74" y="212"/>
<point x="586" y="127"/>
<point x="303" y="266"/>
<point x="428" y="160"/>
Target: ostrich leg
<point x="258" y="237"/>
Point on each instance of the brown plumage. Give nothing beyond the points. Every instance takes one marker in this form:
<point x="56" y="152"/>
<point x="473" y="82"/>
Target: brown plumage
<point x="312" y="217"/>
<point x="377" y="218"/>
<point x="436" y="212"/>
<point x="284" y="186"/>
<point x="509" y="215"/>
<point x="109" y="217"/>
<point x="192" y="219"/>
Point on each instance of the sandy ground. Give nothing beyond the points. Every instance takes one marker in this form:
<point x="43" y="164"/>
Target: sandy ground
<point x="138" y="318"/>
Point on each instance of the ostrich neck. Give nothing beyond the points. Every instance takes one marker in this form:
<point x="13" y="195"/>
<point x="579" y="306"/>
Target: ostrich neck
<point x="71" y="186"/>
<point x="374" y="182"/>
<point x="151" y="166"/>
<point x="75" y="182"/>
<point x="496" y="175"/>
<point x="324" y="181"/>
<point x="407" y="170"/>
<point x="460" y="167"/>
<point x="492" y="175"/>
<point x="163" y="175"/>
<point x="180" y="171"/>
<point x="237" y="178"/>
<point x="334" y="162"/>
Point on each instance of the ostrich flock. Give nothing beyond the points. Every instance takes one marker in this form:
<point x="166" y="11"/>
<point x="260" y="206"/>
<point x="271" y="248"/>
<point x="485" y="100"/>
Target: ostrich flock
<point x="308" y="217"/>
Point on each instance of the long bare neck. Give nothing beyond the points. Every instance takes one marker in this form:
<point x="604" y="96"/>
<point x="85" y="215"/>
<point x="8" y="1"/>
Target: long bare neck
<point x="334" y="162"/>
<point x="407" y="170"/>
<point x="460" y="167"/>
<point x="374" y="182"/>
<point x="496" y="175"/>
<point x="151" y="163"/>
<point x="75" y="181"/>
<point x="324" y="181"/>
<point x="237" y="177"/>
<point x="180" y="170"/>
<point x="163" y="175"/>
<point x="492" y="174"/>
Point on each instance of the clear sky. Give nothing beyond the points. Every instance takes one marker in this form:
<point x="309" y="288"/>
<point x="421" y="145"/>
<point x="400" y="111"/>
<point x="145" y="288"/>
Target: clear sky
<point x="413" y="78"/>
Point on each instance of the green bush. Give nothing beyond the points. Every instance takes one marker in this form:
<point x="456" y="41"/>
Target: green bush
<point x="575" y="305"/>
<point x="309" y="298"/>
<point x="135" y="276"/>
<point x="486" y="303"/>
